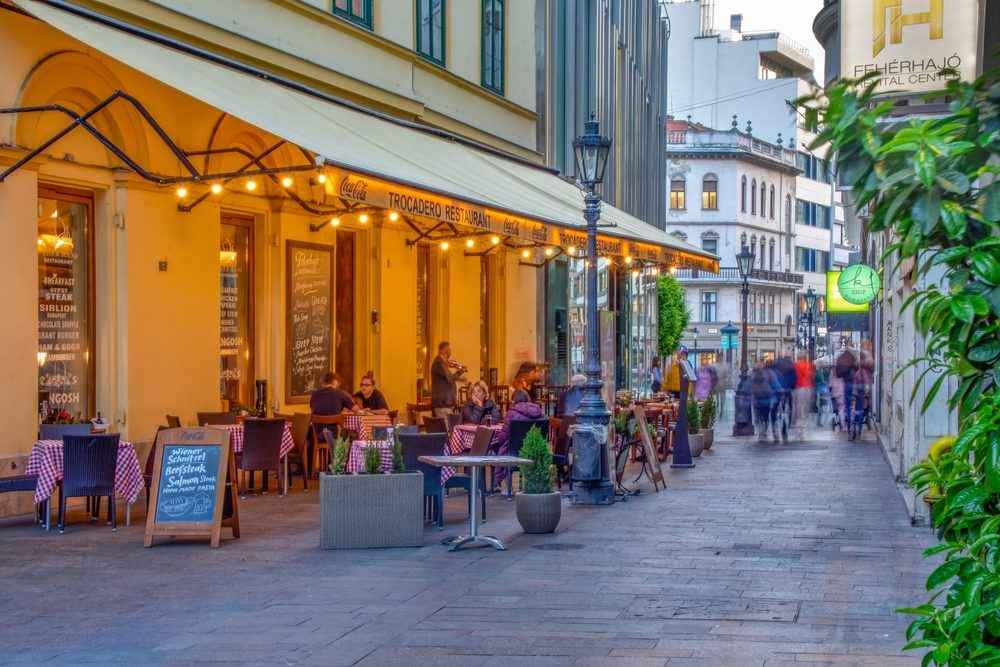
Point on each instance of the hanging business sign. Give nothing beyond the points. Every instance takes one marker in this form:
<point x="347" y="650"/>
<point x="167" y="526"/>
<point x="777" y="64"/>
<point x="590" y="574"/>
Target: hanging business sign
<point x="859" y="284"/>
<point x="909" y="41"/>
<point x="835" y="301"/>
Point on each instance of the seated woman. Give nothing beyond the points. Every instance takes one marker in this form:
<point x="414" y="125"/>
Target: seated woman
<point x="522" y="407"/>
<point x="370" y="399"/>
<point x="480" y="406"/>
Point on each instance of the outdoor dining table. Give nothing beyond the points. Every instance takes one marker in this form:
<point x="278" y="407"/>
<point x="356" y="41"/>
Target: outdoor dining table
<point x="463" y="435"/>
<point x="459" y="541"/>
<point x="363" y="424"/>
<point x="46" y="461"/>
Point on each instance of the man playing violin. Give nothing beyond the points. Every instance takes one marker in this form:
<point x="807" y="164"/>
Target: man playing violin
<point x="444" y="373"/>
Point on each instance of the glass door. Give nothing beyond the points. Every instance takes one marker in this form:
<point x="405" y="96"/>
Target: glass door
<point x="236" y="314"/>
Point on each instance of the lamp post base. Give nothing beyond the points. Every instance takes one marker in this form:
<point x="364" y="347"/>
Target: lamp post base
<point x="597" y="492"/>
<point x="742" y="415"/>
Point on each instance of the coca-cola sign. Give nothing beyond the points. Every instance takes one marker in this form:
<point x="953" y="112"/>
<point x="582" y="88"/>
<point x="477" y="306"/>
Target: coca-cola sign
<point x="356" y="189"/>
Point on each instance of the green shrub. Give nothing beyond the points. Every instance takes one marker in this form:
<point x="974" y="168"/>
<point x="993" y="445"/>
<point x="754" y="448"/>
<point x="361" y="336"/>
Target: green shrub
<point x="397" y="455"/>
<point x="373" y="460"/>
<point x="694" y="416"/>
<point x="538" y="477"/>
<point x="341" y="446"/>
<point x="709" y="411"/>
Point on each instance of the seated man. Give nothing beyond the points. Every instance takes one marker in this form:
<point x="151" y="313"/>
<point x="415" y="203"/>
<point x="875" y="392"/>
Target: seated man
<point x="570" y="399"/>
<point x="331" y="399"/>
<point x="370" y="399"/>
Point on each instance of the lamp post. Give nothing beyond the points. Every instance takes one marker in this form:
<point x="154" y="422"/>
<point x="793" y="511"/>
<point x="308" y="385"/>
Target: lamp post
<point x="743" y="424"/>
<point x="810" y="309"/>
<point x="592" y="479"/>
<point x="694" y="330"/>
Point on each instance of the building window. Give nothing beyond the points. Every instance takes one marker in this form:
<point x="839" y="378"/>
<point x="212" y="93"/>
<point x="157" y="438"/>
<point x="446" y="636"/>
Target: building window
<point x="493" y="45"/>
<point x="763" y="252"/>
<point x="677" y="193"/>
<point x="709" y="303"/>
<point x="812" y="167"/>
<point x="430" y="30"/>
<point x="753" y="197"/>
<point x="812" y="214"/>
<point x="763" y="199"/>
<point x="710" y="192"/>
<point x="772" y="202"/>
<point x="752" y="308"/>
<point x="809" y="259"/>
<point x="743" y="194"/>
<point x="771" y="247"/>
<point x="763" y="308"/>
<point x="770" y="308"/>
<point x="355" y="11"/>
<point x="710" y="245"/>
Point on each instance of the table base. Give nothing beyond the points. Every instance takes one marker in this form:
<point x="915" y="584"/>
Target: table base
<point x="459" y="541"/>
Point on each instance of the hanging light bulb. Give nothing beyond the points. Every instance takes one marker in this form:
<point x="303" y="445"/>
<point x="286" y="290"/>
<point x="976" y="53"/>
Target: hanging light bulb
<point x="469" y="243"/>
<point x="525" y="254"/>
<point x="673" y="270"/>
<point x="363" y="218"/>
<point x="495" y="240"/>
<point x="571" y="250"/>
<point x="656" y="270"/>
<point x="286" y="182"/>
<point x="444" y="245"/>
<point x="635" y="273"/>
<point x="393" y="216"/>
<point x="335" y="222"/>
<point x="321" y="178"/>
<point x="182" y="192"/>
<point x="251" y="186"/>
<point x="628" y="259"/>
<point x="548" y="252"/>
<point x="216" y="188"/>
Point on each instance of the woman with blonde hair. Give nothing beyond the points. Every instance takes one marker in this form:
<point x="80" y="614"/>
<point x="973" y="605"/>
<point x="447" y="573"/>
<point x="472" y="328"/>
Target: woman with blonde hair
<point x="480" y="407"/>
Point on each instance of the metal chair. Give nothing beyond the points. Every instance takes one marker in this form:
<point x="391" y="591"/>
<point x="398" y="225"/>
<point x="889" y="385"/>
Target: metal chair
<point x="173" y="421"/>
<point x="518" y="430"/>
<point x="216" y="418"/>
<point x="262" y="450"/>
<point x="89" y="463"/>
<point x="57" y="431"/>
<point x="26" y="483"/>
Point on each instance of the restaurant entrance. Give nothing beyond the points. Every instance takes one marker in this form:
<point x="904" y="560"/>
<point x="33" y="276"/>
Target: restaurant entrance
<point x="236" y="305"/>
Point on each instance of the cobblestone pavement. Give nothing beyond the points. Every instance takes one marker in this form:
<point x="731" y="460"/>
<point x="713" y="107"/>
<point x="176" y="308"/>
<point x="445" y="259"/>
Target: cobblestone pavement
<point x="763" y="554"/>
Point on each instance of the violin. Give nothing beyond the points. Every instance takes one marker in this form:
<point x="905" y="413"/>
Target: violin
<point x="450" y="363"/>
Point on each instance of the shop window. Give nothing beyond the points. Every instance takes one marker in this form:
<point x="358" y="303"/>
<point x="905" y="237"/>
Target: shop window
<point x="677" y="192"/>
<point x="355" y="11"/>
<point x="236" y="310"/>
<point x="431" y="30"/>
<point x="710" y="192"/>
<point x="65" y="302"/>
<point x="493" y="45"/>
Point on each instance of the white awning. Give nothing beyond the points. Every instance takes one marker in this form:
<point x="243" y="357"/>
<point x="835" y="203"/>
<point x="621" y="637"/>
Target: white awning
<point x="542" y="206"/>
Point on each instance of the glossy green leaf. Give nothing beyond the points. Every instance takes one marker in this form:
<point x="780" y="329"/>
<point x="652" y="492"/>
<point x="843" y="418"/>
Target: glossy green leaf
<point x="943" y="573"/>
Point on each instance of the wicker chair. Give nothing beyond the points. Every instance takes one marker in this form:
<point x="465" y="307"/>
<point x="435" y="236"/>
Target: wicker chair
<point x="262" y="450"/>
<point x="435" y="425"/>
<point x="300" y="436"/>
<point x="26" y="483"/>
<point x="416" y="445"/>
<point x="173" y="421"/>
<point x="89" y="463"/>
<point x="57" y="431"/>
<point x="518" y="430"/>
<point x="216" y="418"/>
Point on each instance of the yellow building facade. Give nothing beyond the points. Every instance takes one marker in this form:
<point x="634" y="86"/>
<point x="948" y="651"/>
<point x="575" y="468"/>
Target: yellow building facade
<point x="394" y="203"/>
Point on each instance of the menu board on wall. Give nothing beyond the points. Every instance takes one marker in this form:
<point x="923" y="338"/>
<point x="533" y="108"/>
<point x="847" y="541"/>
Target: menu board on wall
<point x="309" y="319"/>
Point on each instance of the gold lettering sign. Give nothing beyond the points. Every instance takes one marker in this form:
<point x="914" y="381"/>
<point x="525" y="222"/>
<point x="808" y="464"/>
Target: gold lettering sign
<point x="893" y="9"/>
<point x="361" y="189"/>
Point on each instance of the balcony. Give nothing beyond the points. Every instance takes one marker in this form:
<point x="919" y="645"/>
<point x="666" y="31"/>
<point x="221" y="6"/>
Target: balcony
<point x="731" y="274"/>
<point x="717" y="141"/>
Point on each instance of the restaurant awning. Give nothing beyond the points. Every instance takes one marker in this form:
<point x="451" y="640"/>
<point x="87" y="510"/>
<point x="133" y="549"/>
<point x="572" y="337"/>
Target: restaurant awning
<point x="406" y="169"/>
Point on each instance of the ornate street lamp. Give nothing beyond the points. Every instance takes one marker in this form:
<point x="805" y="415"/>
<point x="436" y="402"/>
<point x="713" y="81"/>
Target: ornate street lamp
<point x="810" y="310"/>
<point x="591" y="478"/>
<point x="743" y="424"/>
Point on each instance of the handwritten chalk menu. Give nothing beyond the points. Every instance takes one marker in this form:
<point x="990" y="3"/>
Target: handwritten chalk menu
<point x="309" y="303"/>
<point x="192" y="485"/>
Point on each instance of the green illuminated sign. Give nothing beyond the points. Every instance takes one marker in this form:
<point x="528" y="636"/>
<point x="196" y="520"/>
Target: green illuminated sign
<point x="858" y="284"/>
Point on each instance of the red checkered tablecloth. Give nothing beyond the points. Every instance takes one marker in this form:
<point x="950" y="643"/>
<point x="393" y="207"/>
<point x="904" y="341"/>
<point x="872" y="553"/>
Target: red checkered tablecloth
<point x="236" y="430"/>
<point x="356" y="459"/>
<point x="362" y="424"/>
<point x="46" y="461"/>
<point x="463" y="435"/>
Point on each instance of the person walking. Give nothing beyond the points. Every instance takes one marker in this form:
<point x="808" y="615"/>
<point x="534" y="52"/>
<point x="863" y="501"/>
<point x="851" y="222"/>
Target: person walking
<point x="656" y="376"/>
<point x="444" y="373"/>
<point x="805" y="373"/>
<point x="765" y="392"/>
<point x="784" y="369"/>
<point x="846" y="367"/>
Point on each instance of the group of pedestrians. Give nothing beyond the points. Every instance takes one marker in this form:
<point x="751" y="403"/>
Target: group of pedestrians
<point x="782" y="395"/>
<point x="850" y="388"/>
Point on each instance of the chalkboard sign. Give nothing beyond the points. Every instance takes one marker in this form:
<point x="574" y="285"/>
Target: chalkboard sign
<point x="309" y="322"/>
<point x="192" y="491"/>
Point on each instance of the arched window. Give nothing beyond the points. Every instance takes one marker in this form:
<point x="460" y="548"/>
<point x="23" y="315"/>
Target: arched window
<point x="753" y="197"/>
<point x="763" y="199"/>
<point x="677" y="192"/>
<point x="763" y="248"/>
<point x="771" y="248"/>
<point x="710" y="192"/>
<point x="772" y="202"/>
<point x="743" y="194"/>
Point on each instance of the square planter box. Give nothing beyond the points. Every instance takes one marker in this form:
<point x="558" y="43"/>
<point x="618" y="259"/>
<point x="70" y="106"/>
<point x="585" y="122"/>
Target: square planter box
<point x="371" y="511"/>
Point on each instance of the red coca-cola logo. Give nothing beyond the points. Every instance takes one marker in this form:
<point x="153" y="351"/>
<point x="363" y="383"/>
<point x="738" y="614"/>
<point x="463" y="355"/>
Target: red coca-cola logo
<point x="356" y="189"/>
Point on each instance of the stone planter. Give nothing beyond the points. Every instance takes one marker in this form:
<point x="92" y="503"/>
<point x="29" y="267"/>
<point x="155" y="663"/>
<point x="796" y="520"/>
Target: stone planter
<point x="538" y="512"/>
<point x="708" y="436"/>
<point x="697" y="443"/>
<point x="371" y="511"/>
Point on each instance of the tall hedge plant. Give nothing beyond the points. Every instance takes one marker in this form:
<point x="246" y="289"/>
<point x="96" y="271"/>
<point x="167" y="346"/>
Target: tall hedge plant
<point x="673" y="314"/>
<point x="931" y="182"/>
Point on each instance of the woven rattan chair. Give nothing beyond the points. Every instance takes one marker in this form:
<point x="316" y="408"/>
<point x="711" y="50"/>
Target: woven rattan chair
<point x="216" y="418"/>
<point x="435" y="425"/>
<point x="414" y="446"/>
<point x="518" y="430"/>
<point x="57" y="431"/>
<point x="262" y="450"/>
<point x="173" y="421"/>
<point x="89" y="463"/>
<point x="300" y="436"/>
<point x="26" y="483"/>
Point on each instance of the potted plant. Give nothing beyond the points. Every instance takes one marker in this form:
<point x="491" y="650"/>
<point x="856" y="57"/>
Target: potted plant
<point x="695" y="439"/>
<point x="372" y="510"/>
<point x="709" y="411"/>
<point x="538" y="508"/>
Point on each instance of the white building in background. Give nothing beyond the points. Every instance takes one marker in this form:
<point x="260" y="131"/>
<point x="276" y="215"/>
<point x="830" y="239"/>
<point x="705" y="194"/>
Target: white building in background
<point x="722" y="78"/>
<point x="730" y="191"/>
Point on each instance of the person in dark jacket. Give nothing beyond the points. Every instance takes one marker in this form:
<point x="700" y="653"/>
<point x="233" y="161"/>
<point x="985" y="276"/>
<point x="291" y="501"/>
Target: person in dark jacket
<point x="570" y="399"/>
<point x="480" y="406"/>
<point x="331" y="399"/>
<point x="765" y="390"/>
<point x="522" y="408"/>
<point x="444" y="373"/>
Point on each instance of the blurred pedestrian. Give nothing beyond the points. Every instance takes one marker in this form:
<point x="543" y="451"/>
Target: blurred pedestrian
<point x="805" y="373"/>
<point x="703" y="385"/>
<point x="656" y="376"/>
<point x="784" y="369"/>
<point x="765" y="392"/>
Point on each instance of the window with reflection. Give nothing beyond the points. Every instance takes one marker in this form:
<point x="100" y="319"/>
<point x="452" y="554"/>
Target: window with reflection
<point x="236" y="310"/>
<point x="493" y="45"/>
<point x="355" y="11"/>
<point x="710" y="192"/>
<point x="430" y="30"/>
<point x="677" y="193"/>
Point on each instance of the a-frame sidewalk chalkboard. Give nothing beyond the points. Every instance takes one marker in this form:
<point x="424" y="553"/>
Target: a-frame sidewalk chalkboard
<point x="193" y="490"/>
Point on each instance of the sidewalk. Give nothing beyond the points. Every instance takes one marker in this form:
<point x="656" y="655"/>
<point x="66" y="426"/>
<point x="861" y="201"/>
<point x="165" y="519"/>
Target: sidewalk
<point x="763" y="554"/>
